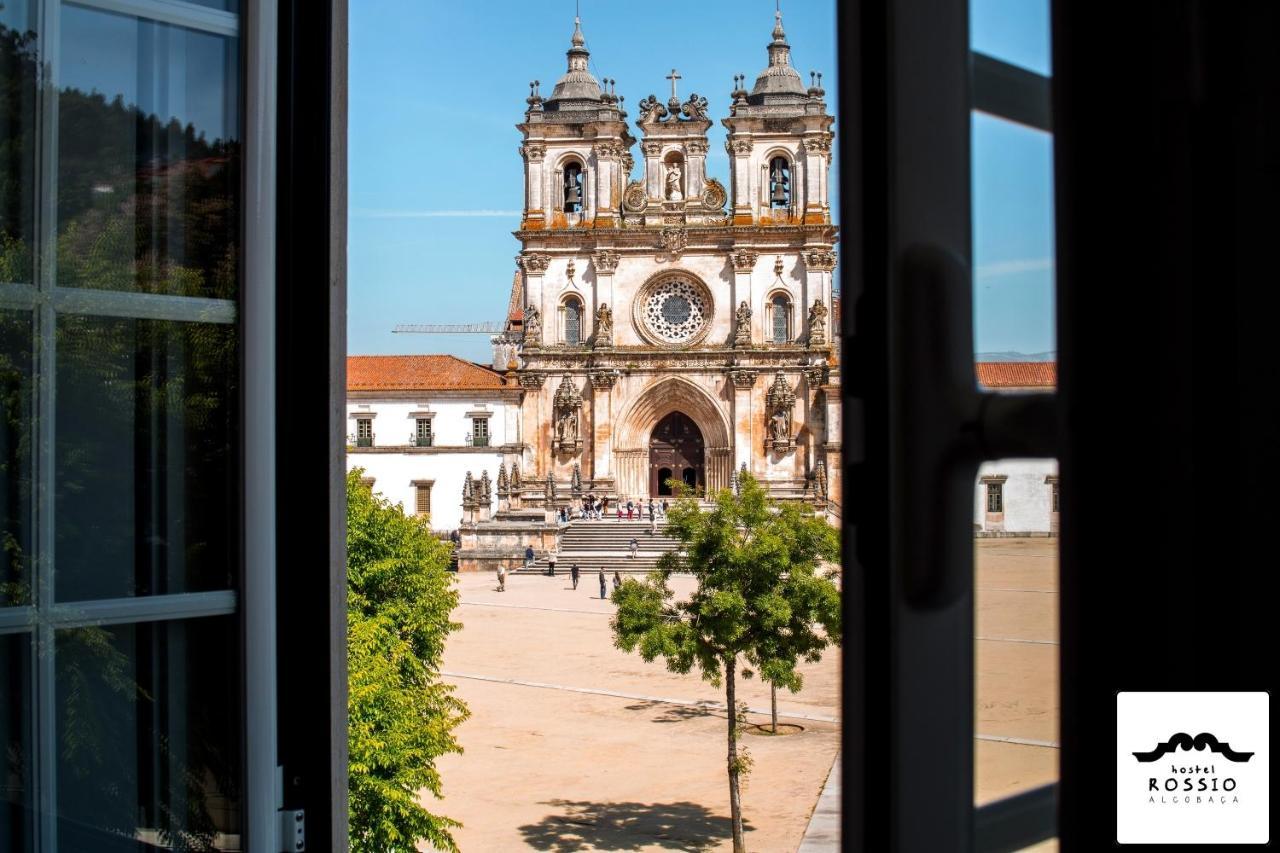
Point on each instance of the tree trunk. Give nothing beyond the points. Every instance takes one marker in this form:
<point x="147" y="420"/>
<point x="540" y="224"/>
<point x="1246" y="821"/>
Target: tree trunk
<point x="735" y="801"/>
<point x="773" y="705"/>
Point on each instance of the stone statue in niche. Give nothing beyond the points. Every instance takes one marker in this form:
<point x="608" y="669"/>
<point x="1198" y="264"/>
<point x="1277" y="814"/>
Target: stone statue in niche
<point x="568" y="428"/>
<point x="674" y="176"/>
<point x="604" y="325"/>
<point x="780" y="429"/>
<point x="742" y="329"/>
<point x="818" y="324"/>
<point x="532" y="325"/>
<point x="780" y="402"/>
<point x="568" y="408"/>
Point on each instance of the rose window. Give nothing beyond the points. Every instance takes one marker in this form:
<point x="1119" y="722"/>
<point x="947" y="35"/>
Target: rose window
<point x="674" y="311"/>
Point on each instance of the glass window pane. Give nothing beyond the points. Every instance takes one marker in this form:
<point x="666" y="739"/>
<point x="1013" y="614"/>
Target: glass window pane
<point x="148" y="157"/>
<point x="16" y="406"/>
<point x="1016" y="630"/>
<point x="146" y="456"/>
<point x="148" y="735"/>
<point x="18" y="69"/>
<point x="15" y="743"/>
<point x="1016" y="31"/>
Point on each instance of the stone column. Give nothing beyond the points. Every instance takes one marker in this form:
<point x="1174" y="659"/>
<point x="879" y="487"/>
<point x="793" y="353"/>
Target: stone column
<point x="744" y="204"/>
<point x="743" y="420"/>
<point x="652" y="170"/>
<point x="531" y="415"/>
<point x="588" y="213"/>
<point x="817" y="149"/>
<point x="744" y="262"/>
<point x="534" y="215"/>
<point x="602" y="383"/>
<point x="696" y="169"/>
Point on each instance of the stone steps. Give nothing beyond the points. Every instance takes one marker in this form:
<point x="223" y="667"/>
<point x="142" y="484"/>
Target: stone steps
<point x="606" y="544"/>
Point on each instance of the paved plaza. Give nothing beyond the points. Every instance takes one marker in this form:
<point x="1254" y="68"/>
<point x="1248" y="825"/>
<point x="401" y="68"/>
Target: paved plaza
<point x="574" y="745"/>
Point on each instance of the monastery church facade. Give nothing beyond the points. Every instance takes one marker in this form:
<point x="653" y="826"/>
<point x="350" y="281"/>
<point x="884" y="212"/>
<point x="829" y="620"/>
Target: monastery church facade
<point x="672" y="327"/>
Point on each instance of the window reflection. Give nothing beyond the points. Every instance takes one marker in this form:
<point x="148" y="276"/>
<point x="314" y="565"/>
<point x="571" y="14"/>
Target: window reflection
<point x="148" y="157"/>
<point x="16" y="403"/>
<point x="15" y="743"/>
<point x="18" y="66"/>
<point x="148" y="744"/>
<point x="146" y="460"/>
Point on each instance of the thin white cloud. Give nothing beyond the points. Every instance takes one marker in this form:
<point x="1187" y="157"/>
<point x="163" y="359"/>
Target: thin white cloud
<point x="1014" y="267"/>
<point x="367" y="213"/>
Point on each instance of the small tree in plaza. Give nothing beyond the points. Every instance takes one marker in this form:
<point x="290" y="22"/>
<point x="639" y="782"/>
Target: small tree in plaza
<point x="400" y="715"/>
<point x="762" y="600"/>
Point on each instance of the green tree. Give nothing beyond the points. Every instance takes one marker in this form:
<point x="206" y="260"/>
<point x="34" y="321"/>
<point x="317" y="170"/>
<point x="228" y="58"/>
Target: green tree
<point x="401" y="716"/>
<point x="763" y="598"/>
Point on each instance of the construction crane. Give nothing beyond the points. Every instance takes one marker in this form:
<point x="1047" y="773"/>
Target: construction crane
<point x="486" y="328"/>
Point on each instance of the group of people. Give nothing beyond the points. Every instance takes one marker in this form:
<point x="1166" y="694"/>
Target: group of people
<point x="574" y="574"/>
<point x="593" y="508"/>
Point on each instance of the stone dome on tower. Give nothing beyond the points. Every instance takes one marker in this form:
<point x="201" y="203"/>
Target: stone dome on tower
<point x="778" y="82"/>
<point x="577" y="89"/>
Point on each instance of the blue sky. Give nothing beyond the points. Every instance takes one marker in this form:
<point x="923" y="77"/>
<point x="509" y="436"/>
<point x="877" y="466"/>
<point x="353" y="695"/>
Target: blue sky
<point x="436" y="182"/>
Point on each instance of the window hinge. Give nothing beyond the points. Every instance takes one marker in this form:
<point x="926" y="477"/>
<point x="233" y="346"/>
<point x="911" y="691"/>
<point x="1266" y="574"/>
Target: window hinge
<point x="293" y="830"/>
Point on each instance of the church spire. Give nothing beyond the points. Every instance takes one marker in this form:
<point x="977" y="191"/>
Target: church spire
<point x="578" y="53"/>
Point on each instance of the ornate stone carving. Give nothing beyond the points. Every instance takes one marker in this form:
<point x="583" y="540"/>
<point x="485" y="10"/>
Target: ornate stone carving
<point x="696" y="146"/>
<point x="468" y="492"/>
<point x="820" y="259"/>
<point x="818" y="144"/>
<point x="818" y="324"/>
<point x="820" y="480"/>
<point x="651" y="109"/>
<point x="568" y="418"/>
<point x="532" y="381"/>
<point x="673" y="310"/>
<point x="739" y="146"/>
<point x="533" y="151"/>
<point x="743" y="260"/>
<point x="604" y="325"/>
<point x="484" y="497"/>
<point x="742" y="325"/>
<point x="714" y="195"/>
<point x="534" y="263"/>
<point x="575" y="482"/>
<point x="780" y="408"/>
<point x="694" y="108"/>
<point x="674" y="241"/>
<point x="516" y="485"/>
<point x="504" y="485"/>
<point x="550" y="488"/>
<point x="815" y="377"/>
<point x="634" y="197"/>
<point x="604" y="380"/>
<point x="742" y="379"/>
<point x="532" y="326"/>
<point x="778" y="266"/>
<point x="606" y="261"/>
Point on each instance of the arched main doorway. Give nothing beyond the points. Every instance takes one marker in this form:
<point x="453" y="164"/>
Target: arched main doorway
<point x="676" y="452"/>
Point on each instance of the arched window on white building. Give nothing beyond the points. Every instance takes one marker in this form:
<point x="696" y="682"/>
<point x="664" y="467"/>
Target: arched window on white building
<point x="779" y="321"/>
<point x="573" y="187"/>
<point x="780" y="182"/>
<point x="572" y="322"/>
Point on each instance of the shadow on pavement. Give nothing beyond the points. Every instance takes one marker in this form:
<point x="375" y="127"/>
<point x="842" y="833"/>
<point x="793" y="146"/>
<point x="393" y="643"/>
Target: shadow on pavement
<point x="677" y="713"/>
<point x="627" y="826"/>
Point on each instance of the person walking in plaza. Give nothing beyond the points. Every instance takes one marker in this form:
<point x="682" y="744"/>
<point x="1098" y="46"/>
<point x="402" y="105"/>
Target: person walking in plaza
<point x="573" y="575"/>
<point x="630" y="505"/>
<point x="617" y="580"/>
<point x="603" y="593"/>
<point x="619" y="509"/>
<point x="604" y="508"/>
<point x="551" y="564"/>
<point x="528" y="556"/>
<point x="653" y="526"/>
<point x="635" y="546"/>
<point x="650" y="509"/>
<point x="502" y="578"/>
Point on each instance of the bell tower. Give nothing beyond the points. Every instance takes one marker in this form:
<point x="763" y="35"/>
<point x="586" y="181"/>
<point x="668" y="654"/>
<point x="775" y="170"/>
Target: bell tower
<point x="779" y="144"/>
<point x="576" y="149"/>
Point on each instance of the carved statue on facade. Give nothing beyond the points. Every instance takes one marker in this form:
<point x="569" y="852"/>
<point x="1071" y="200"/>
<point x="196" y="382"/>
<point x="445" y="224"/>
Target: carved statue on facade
<point x="742" y="329"/>
<point x="674" y="176"/>
<point x="568" y="413"/>
<point x="604" y="325"/>
<point x="818" y="324"/>
<point x="781" y="403"/>
<point x="532" y="325"/>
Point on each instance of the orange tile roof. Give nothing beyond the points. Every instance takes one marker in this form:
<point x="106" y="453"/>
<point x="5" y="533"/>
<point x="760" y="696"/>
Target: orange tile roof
<point x="1017" y="374"/>
<point x="515" y="308"/>
<point x="417" y="373"/>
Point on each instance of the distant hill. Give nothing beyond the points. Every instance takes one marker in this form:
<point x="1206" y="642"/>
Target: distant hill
<point x="1016" y="356"/>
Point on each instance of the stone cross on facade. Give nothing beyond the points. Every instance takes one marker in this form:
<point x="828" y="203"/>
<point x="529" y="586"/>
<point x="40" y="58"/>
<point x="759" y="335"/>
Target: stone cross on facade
<point x="673" y="77"/>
